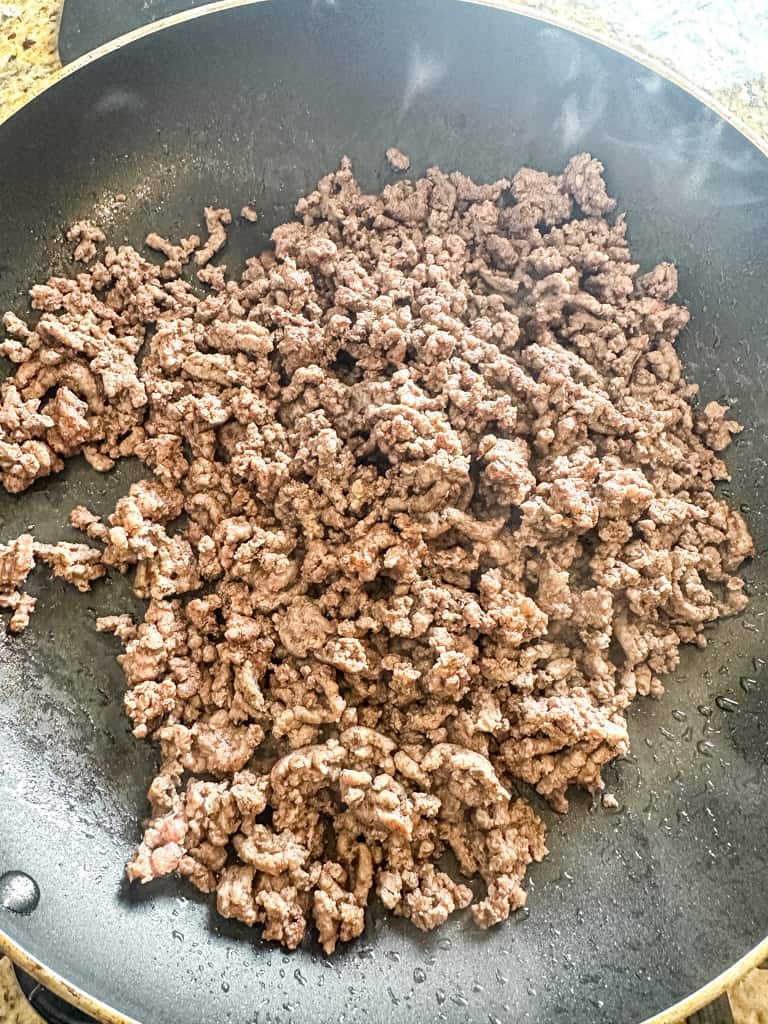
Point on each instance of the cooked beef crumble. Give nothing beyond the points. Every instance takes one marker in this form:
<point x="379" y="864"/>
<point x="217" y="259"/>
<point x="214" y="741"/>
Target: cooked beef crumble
<point x="397" y="159"/>
<point x="448" y="510"/>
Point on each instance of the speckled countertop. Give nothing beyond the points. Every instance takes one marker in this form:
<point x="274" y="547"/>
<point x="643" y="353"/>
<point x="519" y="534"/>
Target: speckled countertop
<point x="718" y="48"/>
<point x="28" y="54"/>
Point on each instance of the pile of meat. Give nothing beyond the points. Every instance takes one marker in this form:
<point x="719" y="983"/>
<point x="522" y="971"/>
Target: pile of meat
<point x="428" y="506"/>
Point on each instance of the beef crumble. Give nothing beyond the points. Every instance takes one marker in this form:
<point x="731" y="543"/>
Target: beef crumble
<point x="447" y="510"/>
<point x="397" y="159"/>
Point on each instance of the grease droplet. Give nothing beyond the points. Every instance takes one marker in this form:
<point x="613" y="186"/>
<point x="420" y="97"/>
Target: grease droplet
<point x="727" y="703"/>
<point x="19" y="892"/>
<point x="419" y="975"/>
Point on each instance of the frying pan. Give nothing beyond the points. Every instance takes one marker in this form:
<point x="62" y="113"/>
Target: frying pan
<point x="242" y="102"/>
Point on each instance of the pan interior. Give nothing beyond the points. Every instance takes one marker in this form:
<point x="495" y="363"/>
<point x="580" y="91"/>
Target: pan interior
<point x="631" y="911"/>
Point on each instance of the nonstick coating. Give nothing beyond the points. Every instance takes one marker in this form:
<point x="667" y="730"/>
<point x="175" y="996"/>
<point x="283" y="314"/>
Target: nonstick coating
<point x="632" y="910"/>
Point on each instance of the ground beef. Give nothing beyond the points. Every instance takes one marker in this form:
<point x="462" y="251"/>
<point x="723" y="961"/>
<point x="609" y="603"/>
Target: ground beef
<point x="428" y="506"/>
<point x="17" y="560"/>
<point x="88" y="237"/>
<point x="397" y="159"/>
<point x="78" y="564"/>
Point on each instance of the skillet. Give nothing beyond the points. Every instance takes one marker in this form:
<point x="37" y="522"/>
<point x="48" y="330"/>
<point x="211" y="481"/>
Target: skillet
<point x="254" y="101"/>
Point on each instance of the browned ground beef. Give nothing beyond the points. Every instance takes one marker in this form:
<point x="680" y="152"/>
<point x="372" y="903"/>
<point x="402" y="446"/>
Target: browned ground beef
<point x="448" y="511"/>
<point x="397" y="159"/>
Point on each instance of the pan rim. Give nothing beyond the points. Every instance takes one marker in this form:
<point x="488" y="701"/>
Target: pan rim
<point x="713" y="989"/>
<point x="106" y="1014"/>
<point x="518" y="7"/>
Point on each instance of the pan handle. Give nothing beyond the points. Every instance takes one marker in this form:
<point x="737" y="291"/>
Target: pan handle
<point x="86" y="24"/>
<point x="718" y="1012"/>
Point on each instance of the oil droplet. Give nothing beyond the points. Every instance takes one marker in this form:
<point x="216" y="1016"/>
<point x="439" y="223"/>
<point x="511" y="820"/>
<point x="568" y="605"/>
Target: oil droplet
<point x="502" y="980"/>
<point x="477" y="987"/>
<point x="444" y="944"/>
<point x="679" y="715"/>
<point x="666" y="733"/>
<point x="705" y="709"/>
<point x="392" y="996"/>
<point x="688" y="732"/>
<point x="705" y="747"/>
<point x="393" y="955"/>
<point x="419" y="975"/>
<point x="225" y="986"/>
<point x="727" y="703"/>
<point x="747" y="684"/>
<point x="19" y="892"/>
<point x="440" y="996"/>
<point x="460" y="1000"/>
<point x="178" y="936"/>
<point x="299" y="976"/>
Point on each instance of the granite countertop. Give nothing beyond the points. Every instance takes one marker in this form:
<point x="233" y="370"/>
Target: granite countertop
<point x="717" y="48"/>
<point x="28" y="54"/>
